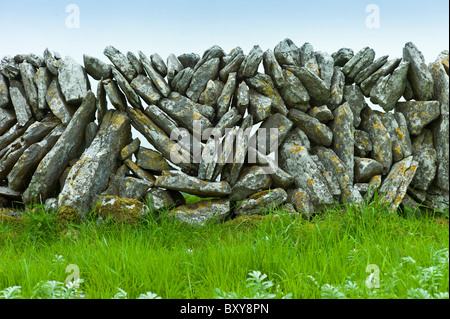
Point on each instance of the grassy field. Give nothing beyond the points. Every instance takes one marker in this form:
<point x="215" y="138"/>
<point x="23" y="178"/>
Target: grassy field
<point x="345" y="252"/>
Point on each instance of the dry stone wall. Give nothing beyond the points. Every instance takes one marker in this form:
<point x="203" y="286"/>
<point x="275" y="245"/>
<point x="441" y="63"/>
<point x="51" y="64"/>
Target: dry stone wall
<point x="64" y="145"/>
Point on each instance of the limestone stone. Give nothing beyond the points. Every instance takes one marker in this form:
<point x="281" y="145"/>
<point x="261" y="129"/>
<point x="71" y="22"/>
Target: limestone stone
<point x="418" y="114"/>
<point x="179" y="181"/>
<point x="208" y="71"/>
<point x="326" y="67"/>
<point x="367" y="85"/>
<point x="301" y="201"/>
<point x="249" y="66"/>
<point x="259" y="106"/>
<point x="115" y="96"/>
<point x="380" y="138"/>
<point x="151" y="160"/>
<point x="315" y="86"/>
<point x="139" y="172"/>
<point x="57" y="103"/>
<point x="158" y="198"/>
<point x="231" y="67"/>
<point x="293" y="92"/>
<point x="224" y="100"/>
<point x="419" y="76"/>
<point x="262" y="202"/>
<point x="189" y="60"/>
<point x="251" y="180"/>
<point x="308" y="58"/>
<point x="439" y="71"/>
<point x="28" y="75"/>
<point x="127" y="187"/>
<point x="389" y="89"/>
<point x="398" y="131"/>
<point x="263" y="84"/>
<point x="358" y="62"/>
<point x="4" y="92"/>
<point x="200" y="213"/>
<point x="7" y="120"/>
<point x="286" y="53"/>
<point x="157" y="79"/>
<point x="90" y="174"/>
<point x="130" y="94"/>
<point x="19" y="101"/>
<point x="46" y="176"/>
<point x="144" y="87"/>
<point x="343" y="143"/>
<point x="342" y="56"/>
<point x="366" y="168"/>
<point x="356" y="102"/>
<point x="130" y="149"/>
<point x="363" y="144"/>
<point x="182" y="80"/>
<point x="157" y="63"/>
<point x="137" y="64"/>
<point x="96" y="67"/>
<point x="317" y="132"/>
<point x="322" y="113"/>
<point x="394" y="186"/>
<point x="273" y="68"/>
<point x="43" y="79"/>
<point x="369" y="70"/>
<point x="121" y="62"/>
<point x="23" y="169"/>
<point x="173" y="67"/>
<point x="73" y="81"/>
<point x="336" y="88"/>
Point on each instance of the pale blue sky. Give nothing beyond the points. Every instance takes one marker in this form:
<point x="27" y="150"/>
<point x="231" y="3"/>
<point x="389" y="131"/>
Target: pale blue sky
<point x="180" y="26"/>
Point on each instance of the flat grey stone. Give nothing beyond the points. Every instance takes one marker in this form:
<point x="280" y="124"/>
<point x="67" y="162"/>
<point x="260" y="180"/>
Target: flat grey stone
<point x="43" y="79"/>
<point x="419" y="76"/>
<point x="301" y="201"/>
<point x="273" y="68"/>
<point x="398" y="130"/>
<point x="263" y="84"/>
<point x="4" y="92"/>
<point x="249" y="66"/>
<point x="315" y="86"/>
<point x="96" y="67"/>
<point x="73" y="81"/>
<point x="158" y="64"/>
<point x="173" y="67"/>
<point x="121" y="62"/>
<point x="127" y="187"/>
<point x="336" y="88"/>
<point x="151" y="160"/>
<point x="182" y="80"/>
<point x="157" y="79"/>
<point x="137" y="64"/>
<point x="366" y="168"/>
<point x="294" y="93"/>
<point x="342" y="56"/>
<point x="251" y="180"/>
<point x="28" y="74"/>
<point x="355" y="99"/>
<point x="369" y="70"/>
<point x="19" y="102"/>
<point x="242" y="98"/>
<point x="189" y="60"/>
<point x="363" y="144"/>
<point x="358" y="62"/>
<point x="46" y="176"/>
<point x="200" y="213"/>
<point x="259" y="106"/>
<point x="418" y="114"/>
<point x="262" y="202"/>
<point x="90" y="174"/>
<point x="130" y="94"/>
<point x="224" y="100"/>
<point x="51" y="62"/>
<point x="286" y="53"/>
<point x="367" y="85"/>
<point x="115" y="96"/>
<point x="322" y="113"/>
<point x="208" y="71"/>
<point x="389" y="89"/>
<point x="179" y="181"/>
<point x="231" y="67"/>
<point x="308" y="58"/>
<point x="317" y="132"/>
<point x="144" y="87"/>
<point x="326" y="67"/>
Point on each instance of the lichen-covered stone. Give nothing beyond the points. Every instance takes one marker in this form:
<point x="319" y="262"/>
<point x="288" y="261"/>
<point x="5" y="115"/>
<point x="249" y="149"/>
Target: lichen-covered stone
<point x="358" y="62"/>
<point x="296" y="160"/>
<point x="366" y="168"/>
<point x="250" y="65"/>
<point x="262" y="202"/>
<point x="418" y="114"/>
<point x="316" y="131"/>
<point x="7" y="120"/>
<point x="182" y="80"/>
<point x="316" y="87"/>
<point x="394" y="186"/>
<point x="389" y="89"/>
<point x="367" y="85"/>
<point x="208" y="71"/>
<point x="293" y="92"/>
<point x="199" y="213"/>
<point x="336" y="88"/>
<point x="286" y="53"/>
<point x="231" y="67"/>
<point x="46" y="176"/>
<point x="157" y="79"/>
<point x="398" y="131"/>
<point x="224" y="100"/>
<point x="419" y="76"/>
<point x="130" y="149"/>
<point x="369" y="70"/>
<point x="115" y="96"/>
<point x="322" y="113"/>
<point x="4" y="92"/>
<point x="301" y="201"/>
<point x="273" y="68"/>
<point x="355" y="99"/>
<point x="158" y="64"/>
<point x="19" y="101"/>
<point x="274" y="130"/>
<point x="130" y="94"/>
<point x="363" y="144"/>
<point x="189" y="60"/>
<point x="374" y="185"/>
<point x="144" y="87"/>
<point x="96" y="67"/>
<point x="73" y="81"/>
<point x="342" y="56"/>
<point x="23" y="169"/>
<point x="326" y="66"/>
<point x="184" y="183"/>
<point x="119" y="210"/>
<point x="121" y="62"/>
<point x="151" y="160"/>
<point x="380" y="138"/>
<point x="90" y="174"/>
<point x="127" y="187"/>
<point x="259" y="106"/>
<point x="279" y="177"/>
<point x="28" y="75"/>
<point x="263" y="84"/>
<point x="439" y="71"/>
<point x="251" y="180"/>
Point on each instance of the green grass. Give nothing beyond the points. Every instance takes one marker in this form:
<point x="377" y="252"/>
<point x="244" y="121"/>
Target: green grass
<point x="325" y="257"/>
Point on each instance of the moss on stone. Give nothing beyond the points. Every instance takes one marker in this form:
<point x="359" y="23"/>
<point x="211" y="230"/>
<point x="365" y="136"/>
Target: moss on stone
<point x="67" y="215"/>
<point x="119" y="210"/>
